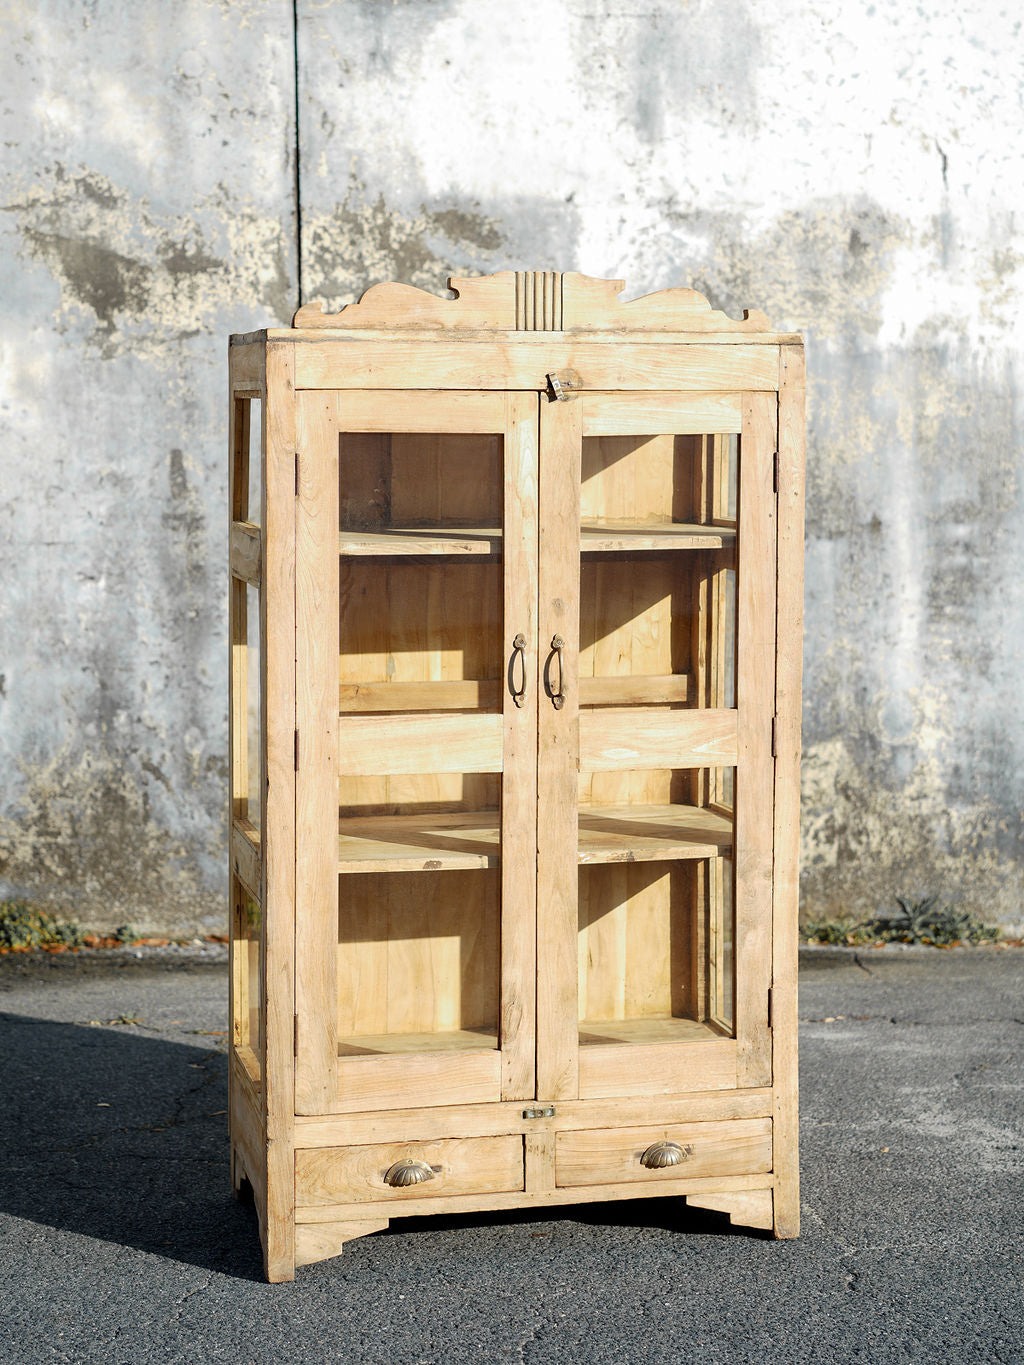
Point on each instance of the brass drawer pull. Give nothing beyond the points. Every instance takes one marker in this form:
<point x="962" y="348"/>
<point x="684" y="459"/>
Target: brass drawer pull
<point x="518" y="652"/>
<point x="662" y="1154"/>
<point x="558" y="693"/>
<point x="408" y="1172"/>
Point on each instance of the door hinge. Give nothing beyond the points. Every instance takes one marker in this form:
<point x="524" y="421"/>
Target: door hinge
<point x="545" y="1111"/>
<point x="297" y="751"/>
<point x="295" y="1038"/>
<point x="775" y="736"/>
<point x="296" y="473"/>
<point x="771" y="1006"/>
<point x="775" y="471"/>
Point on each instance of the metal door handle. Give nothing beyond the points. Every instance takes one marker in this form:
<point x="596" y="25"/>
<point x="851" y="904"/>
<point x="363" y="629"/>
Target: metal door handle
<point x="662" y="1154"/>
<point x="558" y="693"/>
<point x="518" y="652"/>
<point x="408" y="1172"/>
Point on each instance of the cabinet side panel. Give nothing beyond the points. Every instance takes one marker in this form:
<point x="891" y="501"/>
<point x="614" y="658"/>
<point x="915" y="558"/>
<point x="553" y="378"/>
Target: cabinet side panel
<point x="558" y="757"/>
<point x="755" y="694"/>
<point x="277" y="660"/>
<point x="316" y="690"/>
<point x="519" y="781"/>
<point x="787" y="790"/>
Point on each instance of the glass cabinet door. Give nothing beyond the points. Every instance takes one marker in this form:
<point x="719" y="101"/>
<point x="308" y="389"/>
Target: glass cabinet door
<point x="657" y="643"/>
<point x="416" y="622"/>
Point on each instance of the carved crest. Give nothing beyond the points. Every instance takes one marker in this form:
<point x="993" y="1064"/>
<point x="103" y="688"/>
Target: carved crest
<point x="531" y="301"/>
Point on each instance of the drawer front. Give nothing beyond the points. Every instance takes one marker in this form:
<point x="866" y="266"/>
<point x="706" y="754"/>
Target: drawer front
<point x="408" y="1170"/>
<point x="611" y="1156"/>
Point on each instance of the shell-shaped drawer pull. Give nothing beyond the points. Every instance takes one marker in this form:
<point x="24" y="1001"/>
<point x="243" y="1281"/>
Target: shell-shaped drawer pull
<point x="662" y="1154"/>
<point x="409" y="1171"/>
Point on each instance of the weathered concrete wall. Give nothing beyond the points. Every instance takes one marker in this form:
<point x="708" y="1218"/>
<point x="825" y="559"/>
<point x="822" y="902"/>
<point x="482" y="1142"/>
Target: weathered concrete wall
<point x="148" y="207"/>
<point x="852" y="170"/>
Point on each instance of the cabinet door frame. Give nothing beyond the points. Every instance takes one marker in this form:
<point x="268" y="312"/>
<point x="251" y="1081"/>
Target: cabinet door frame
<point x="740" y="736"/>
<point x="324" y="1083"/>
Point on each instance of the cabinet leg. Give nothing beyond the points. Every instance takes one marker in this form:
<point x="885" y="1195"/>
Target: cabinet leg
<point x="319" y="1241"/>
<point x="786" y="1221"/>
<point x="748" y="1208"/>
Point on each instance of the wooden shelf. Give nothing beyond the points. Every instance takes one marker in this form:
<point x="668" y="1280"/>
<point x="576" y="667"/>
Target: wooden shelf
<point x="660" y="1029"/>
<point x="595" y="538"/>
<point x="457" y="1040"/>
<point x="418" y="843"/>
<point x="423" y="540"/>
<point x="471" y="839"/>
<point x="631" y="535"/>
<point x="646" y="834"/>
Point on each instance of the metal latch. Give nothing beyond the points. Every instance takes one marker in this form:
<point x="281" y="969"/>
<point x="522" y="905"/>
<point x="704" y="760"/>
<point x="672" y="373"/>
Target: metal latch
<point x="546" y="1111"/>
<point x="564" y="386"/>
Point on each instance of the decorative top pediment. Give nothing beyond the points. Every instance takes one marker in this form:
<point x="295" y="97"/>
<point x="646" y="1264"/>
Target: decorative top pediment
<point x="531" y="301"/>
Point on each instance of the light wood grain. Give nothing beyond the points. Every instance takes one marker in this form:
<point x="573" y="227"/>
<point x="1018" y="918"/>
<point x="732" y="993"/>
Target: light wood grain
<point x="611" y="1156"/>
<point x="647" y="414"/>
<point x="458" y="1166"/>
<point x="319" y="1241"/>
<point x="656" y="1068"/>
<point x="480" y="301"/>
<point x="466" y="694"/>
<point x="641" y="833"/>
<point x="614" y="740"/>
<point x="471" y="839"/>
<point x="245" y="554"/>
<point x="558" y="754"/>
<point x="482" y="1120"/>
<point x="748" y="1208"/>
<point x="446" y="410"/>
<point x="785" y="933"/>
<point x="755" y="693"/>
<point x="245" y="855"/>
<point x="316" y="654"/>
<point x="277" y="713"/>
<point x="425" y="743"/>
<point x="519" y="764"/>
<point x="431" y="364"/>
<point x="452" y="1205"/>
<point x="588" y="302"/>
<point x="396" y="1080"/>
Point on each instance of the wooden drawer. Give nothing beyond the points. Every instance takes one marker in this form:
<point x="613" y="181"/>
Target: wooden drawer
<point x="609" y="1156"/>
<point x="347" y="1175"/>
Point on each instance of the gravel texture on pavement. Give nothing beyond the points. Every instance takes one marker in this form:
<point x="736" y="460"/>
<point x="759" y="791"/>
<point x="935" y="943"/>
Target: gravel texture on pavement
<point x="120" y="1242"/>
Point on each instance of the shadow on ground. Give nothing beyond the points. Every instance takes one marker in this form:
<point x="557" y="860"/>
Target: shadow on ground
<point x="112" y="1133"/>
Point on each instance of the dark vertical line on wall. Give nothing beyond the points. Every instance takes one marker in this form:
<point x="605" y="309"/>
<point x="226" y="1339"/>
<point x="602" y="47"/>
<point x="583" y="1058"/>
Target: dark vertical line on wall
<point x="298" y="167"/>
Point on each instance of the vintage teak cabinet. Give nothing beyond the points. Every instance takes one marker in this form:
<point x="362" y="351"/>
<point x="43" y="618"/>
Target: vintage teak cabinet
<point x="515" y="679"/>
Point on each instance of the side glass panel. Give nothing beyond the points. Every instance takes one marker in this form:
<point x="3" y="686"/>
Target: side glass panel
<point x="657" y="692"/>
<point x="246" y="750"/>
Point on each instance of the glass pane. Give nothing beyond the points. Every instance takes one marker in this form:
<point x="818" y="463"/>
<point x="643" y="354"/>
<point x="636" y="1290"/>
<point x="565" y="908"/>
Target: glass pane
<point x="390" y="482"/>
<point x="420" y="635"/>
<point x="655" y="906"/>
<point x="418" y="961"/>
<point x="248" y="482"/>
<point x="252" y="704"/>
<point x="245" y="948"/>
<point x="657" y="576"/>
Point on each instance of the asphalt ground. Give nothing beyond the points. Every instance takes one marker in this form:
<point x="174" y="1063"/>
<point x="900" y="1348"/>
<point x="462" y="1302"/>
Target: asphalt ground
<point x="120" y="1242"/>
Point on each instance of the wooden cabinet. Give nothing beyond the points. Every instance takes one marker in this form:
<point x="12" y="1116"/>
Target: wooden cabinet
<point x="515" y="639"/>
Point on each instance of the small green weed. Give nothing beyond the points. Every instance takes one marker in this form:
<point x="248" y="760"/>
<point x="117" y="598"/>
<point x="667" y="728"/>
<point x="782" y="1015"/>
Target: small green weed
<point x="925" y="921"/>
<point x="914" y="921"/>
<point x="842" y="931"/>
<point x="23" y="925"/>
